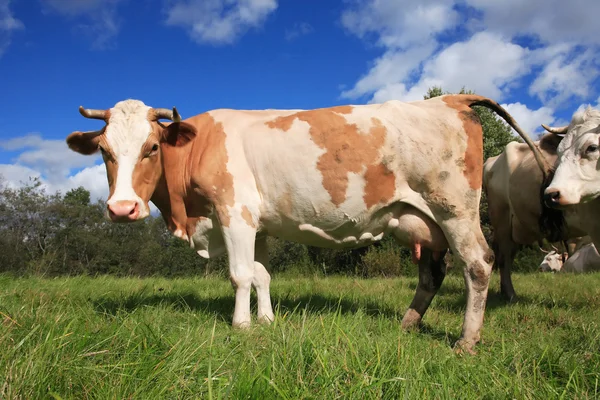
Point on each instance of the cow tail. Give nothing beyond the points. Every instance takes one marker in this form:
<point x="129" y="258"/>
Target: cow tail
<point x="551" y="221"/>
<point x="545" y="167"/>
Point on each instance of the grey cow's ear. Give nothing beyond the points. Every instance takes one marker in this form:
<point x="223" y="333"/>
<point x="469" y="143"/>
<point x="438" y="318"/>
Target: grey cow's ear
<point x="179" y="133"/>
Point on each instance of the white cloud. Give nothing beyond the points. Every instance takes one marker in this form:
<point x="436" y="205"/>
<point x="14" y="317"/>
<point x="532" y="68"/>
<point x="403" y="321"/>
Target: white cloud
<point x="97" y="19"/>
<point x="388" y="71"/>
<point x="8" y="25"/>
<point x="562" y="61"/>
<point x="550" y="21"/>
<point x="485" y="64"/>
<point x="299" y="29"/>
<point x="586" y="105"/>
<point x="566" y="75"/>
<point x="15" y="176"/>
<point x="400" y="24"/>
<point x="219" y="22"/>
<point x="93" y="179"/>
<point x="52" y="158"/>
<point x="530" y="120"/>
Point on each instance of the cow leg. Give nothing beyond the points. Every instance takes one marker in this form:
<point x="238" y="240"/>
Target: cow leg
<point x="262" y="280"/>
<point x="468" y="243"/>
<point x="432" y="271"/>
<point x="239" y="239"/>
<point x="505" y="252"/>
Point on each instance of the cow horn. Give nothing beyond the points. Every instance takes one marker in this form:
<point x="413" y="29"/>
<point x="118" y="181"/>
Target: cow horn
<point x="165" y="113"/>
<point x="557" y="131"/>
<point x="544" y="251"/>
<point x="93" y="114"/>
<point x="554" y="247"/>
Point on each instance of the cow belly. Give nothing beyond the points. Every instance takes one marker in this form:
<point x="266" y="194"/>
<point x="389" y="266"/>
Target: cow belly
<point x="406" y="223"/>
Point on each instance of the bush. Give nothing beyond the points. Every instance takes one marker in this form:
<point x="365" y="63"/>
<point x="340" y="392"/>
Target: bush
<point x="388" y="260"/>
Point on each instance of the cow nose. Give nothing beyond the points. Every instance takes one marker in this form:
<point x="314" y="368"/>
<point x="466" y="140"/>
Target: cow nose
<point x="552" y="197"/>
<point x="123" y="210"/>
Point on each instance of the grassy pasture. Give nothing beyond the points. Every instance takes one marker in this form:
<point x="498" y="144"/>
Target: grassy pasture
<point x="335" y="337"/>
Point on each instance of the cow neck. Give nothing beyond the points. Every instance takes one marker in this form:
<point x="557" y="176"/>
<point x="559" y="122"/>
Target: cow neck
<point x="160" y="198"/>
<point x="181" y="206"/>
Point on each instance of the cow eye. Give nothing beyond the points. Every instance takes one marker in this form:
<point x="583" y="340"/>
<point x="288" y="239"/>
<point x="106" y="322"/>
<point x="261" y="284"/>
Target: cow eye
<point x="153" y="150"/>
<point x="592" y="148"/>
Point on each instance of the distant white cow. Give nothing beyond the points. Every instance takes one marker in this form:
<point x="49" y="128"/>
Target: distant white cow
<point x="553" y="261"/>
<point x="586" y="259"/>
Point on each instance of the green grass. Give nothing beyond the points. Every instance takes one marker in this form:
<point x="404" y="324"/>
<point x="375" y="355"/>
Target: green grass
<point x="121" y="338"/>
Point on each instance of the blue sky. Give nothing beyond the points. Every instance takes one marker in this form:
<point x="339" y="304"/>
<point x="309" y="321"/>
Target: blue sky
<point x="540" y="58"/>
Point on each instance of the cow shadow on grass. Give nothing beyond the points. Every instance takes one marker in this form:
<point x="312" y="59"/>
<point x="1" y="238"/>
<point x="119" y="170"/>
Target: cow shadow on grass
<point x="222" y="307"/>
<point x="449" y="299"/>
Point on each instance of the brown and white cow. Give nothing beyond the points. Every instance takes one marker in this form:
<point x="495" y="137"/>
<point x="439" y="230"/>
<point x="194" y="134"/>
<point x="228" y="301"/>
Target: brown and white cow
<point x="339" y="177"/>
<point x="513" y="184"/>
<point x="575" y="186"/>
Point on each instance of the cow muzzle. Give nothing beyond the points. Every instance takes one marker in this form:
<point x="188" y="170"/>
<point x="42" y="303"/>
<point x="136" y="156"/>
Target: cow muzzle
<point x="124" y="211"/>
<point x="552" y="198"/>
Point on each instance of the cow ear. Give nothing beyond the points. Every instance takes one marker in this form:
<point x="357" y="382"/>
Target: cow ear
<point x="178" y="133"/>
<point x="85" y="143"/>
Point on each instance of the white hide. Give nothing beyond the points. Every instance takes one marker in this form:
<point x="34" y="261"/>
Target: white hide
<point x="127" y="130"/>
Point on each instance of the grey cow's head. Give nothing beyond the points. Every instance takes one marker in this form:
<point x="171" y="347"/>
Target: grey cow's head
<point x="577" y="176"/>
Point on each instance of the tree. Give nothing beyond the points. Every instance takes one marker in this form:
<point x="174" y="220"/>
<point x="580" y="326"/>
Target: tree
<point x="78" y="196"/>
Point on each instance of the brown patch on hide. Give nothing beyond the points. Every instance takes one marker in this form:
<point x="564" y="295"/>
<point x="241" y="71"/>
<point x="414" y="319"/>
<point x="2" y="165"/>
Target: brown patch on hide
<point x="247" y="215"/>
<point x="479" y="278"/>
<point x="473" y="156"/>
<point x="380" y="185"/>
<point x="206" y="166"/>
<point x="147" y="170"/>
<point x="347" y="149"/>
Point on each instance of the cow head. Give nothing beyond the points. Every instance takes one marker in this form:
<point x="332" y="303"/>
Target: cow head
<point x="577" y="176"/>
<point x="131" y="144"/>
<point x="553" y="261"/>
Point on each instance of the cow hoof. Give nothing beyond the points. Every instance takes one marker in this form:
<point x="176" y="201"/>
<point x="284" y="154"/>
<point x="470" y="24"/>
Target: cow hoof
<point x="463" y="346"/>
<point x="509" y="297"/>
<point x="266" y="319"/>
<point x="241" y="325"/>
<point x="411" y="320"/>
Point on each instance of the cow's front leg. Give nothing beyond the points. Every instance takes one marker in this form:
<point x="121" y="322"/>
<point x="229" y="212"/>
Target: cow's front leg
<point x="239" y="240"/>
<point x="262" y="280"/>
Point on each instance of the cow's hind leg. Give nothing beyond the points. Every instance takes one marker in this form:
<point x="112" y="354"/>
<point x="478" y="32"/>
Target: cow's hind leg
<point x="262" y="280"/>
<point x="468" y="243"/>
<point x="432" y="271"/>
<point x="505" y="252"/>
